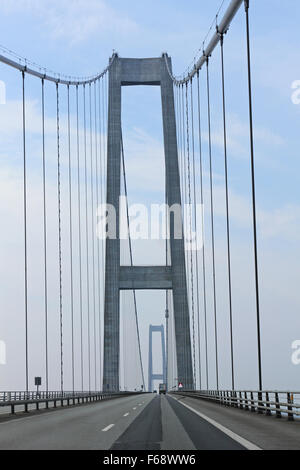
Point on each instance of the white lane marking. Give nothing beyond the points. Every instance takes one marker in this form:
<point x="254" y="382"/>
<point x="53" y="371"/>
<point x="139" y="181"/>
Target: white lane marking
<point x="140" y="404"/>
<point x="247" y="444"/>
<point x="126" y="414"/>
<point x="134" y="408"/>
<point x="108" y="428"/>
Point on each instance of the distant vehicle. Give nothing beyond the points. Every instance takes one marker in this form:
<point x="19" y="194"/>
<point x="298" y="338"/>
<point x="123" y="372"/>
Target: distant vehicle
<point x="162" y="389"/>
<point x="154" y="391"/>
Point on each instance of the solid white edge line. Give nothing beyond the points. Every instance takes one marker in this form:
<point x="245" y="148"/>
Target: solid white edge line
<point x="244" y="442"/>
<point x="108" y="428"/>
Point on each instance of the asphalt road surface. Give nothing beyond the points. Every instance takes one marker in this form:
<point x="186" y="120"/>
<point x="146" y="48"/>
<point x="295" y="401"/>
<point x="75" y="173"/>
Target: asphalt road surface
<point x="146" y="422"/>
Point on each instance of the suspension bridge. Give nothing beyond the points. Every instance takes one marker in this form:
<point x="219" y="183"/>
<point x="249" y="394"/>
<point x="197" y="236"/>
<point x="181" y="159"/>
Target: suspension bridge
<point x="87" y="344"/>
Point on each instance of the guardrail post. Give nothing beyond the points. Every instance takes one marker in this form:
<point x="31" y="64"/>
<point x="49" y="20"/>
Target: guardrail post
<point x="278" y="409"/>
<point x="268" y="405"/>
<point x="290" y="399"/>
<point x="241" y="401"/>
<point x="260" y="404"/>
<point x="252" y="403"/>
<point x="246" y="402"/>
<point x="236" y="400"/>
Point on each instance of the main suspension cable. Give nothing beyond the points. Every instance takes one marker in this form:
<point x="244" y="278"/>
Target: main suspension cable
<point x="222" y="28"/>
<point x="48" y="74"/>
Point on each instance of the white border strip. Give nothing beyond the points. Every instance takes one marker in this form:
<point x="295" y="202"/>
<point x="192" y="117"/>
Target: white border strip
<point x="247" y="444"/>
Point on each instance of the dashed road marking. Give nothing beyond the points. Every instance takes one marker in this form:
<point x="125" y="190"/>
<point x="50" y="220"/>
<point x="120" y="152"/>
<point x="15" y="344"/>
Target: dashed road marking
<point x="126" y="414"/>
<point x="108" y="428"/>
<point x="134" y="408"/>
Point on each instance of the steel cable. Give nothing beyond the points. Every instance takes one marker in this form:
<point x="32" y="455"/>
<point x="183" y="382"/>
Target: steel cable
<point x="253" y="198"/>
<point x="196" y="231"/>
<point x="45" y="238"/>
<point x="131" y="262"/>
<point x="190" y="229"/>
<point x="59" y="240"/>
<point x="227" y="211"/>
<point x="203" y="231"/>
<point x="87" y="239"/>
<point x="25" y="233"/>
<point x="71" y="242"/>
<point x="79" y="241"/>
<point x="212" y="224"/>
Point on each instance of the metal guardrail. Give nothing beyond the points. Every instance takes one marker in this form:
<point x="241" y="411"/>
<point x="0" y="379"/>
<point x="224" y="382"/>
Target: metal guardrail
<point x="270" y="403"/>
<point x="16" y="399"/>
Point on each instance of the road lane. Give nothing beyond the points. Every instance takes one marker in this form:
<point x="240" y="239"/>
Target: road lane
<point x="145" y="433"/>
<point x="74" y="428"/>
<point x="143" y="422"/>
<point x="204" y="435"/>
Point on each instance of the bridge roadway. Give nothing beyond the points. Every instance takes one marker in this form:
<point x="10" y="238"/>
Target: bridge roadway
<point x="147" y="422"/>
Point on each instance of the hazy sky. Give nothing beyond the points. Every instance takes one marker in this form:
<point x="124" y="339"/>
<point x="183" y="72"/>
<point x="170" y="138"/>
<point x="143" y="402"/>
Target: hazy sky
<point x="77" y="37"/>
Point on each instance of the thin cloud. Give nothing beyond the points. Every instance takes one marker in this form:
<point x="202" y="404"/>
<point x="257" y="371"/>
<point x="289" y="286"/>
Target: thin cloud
<point x="73" y="20"/>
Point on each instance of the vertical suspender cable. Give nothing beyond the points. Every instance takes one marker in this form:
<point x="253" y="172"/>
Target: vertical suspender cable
<point x="79" y="241"/>
<point x="253" y="198"/>
<point x="25" y="235"/>
<point x="196" y="226"/>
<point x="45" y="240"/>
<point x="131" y="262"/>
<point x="167" y="313"/>
<point x="190" y="229"/>
<point x="180" y="145"/>
<point x="87" y="239"/>
<point x="101" y="176"/>
<point x="97" y="237"/>
<point x="227" y="212"/>
<point x="212" y="224"/>
<point x="185" y="203"/>
<point x="59" y="242"/>
<point x="202" y="224"/>
<point x="71" y="242"/>
<point x="92" y="232"/>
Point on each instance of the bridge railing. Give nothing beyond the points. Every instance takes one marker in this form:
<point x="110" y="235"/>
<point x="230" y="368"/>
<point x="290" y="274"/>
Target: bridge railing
<point x="27" y="400"/>
<point x="277" y="403"/>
